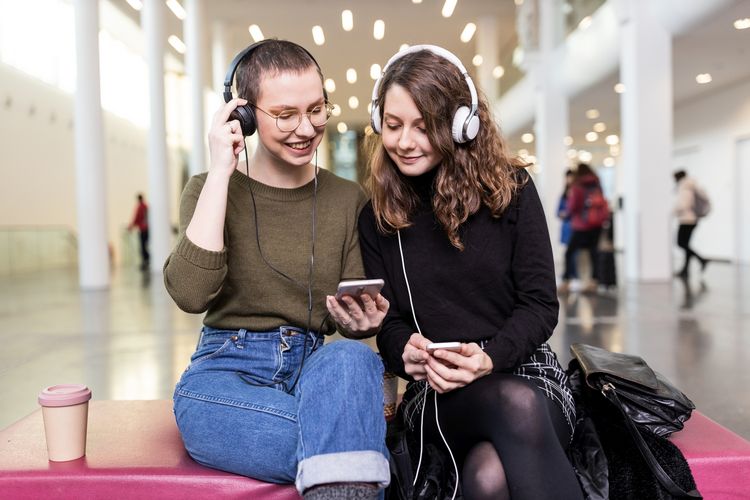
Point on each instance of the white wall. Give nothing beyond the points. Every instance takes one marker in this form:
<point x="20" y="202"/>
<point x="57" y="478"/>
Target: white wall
<point x="37" y="163"/>
<point x="706" y="133"/>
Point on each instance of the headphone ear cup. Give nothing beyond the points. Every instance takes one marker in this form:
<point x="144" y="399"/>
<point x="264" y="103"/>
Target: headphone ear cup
<point x="246" y="116"/>
<point x="375" y="121"/>
<point x="461" y="118"/>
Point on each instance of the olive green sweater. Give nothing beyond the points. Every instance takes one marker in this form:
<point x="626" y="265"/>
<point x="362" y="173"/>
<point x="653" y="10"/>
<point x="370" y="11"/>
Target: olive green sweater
<point x="235" y="287"/>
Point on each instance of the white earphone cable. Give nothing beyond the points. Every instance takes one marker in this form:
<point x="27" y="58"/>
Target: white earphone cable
<point x="424" y="392"/>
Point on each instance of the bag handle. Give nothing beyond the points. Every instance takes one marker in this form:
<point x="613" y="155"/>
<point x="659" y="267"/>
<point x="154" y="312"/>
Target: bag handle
<point x="611" y="394"/>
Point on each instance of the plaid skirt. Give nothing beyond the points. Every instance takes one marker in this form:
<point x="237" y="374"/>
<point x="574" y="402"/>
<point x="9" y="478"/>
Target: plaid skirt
<point x="541" y="368"/>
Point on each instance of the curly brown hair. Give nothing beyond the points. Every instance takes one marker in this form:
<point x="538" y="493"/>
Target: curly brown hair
<point x="470" y="174"/>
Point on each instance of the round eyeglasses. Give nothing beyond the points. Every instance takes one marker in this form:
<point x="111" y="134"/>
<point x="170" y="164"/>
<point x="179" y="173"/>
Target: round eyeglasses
<point x="289" y="119"/>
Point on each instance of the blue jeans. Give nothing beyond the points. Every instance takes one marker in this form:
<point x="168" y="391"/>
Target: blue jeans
<point x="237" y="410"/>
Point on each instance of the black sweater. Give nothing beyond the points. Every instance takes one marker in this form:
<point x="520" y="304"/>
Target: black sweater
<point x="500" y="288"/>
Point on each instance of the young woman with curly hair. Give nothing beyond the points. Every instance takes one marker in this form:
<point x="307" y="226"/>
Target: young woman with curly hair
<point x="457" y="230"/>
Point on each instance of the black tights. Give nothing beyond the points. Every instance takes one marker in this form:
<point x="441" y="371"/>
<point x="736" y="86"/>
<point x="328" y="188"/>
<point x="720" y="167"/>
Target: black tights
<point x="508" y="439"/>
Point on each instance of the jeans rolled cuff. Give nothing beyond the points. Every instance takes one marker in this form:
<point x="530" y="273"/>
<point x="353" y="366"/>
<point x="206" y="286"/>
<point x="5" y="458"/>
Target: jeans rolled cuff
<point x="344" y="467"/>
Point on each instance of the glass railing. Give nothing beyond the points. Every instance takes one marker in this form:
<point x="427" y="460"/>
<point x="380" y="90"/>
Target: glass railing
<point x="26" y="248"/>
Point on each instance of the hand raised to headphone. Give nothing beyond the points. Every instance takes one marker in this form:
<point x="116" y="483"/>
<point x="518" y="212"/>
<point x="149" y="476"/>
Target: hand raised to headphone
<point x="358" y="319"/>
<point x="447" y="370"/>
<point x="225" y="139"/>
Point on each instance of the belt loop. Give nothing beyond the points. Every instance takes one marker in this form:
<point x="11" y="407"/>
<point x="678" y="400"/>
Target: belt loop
<point x="240" y="342"/>
<point x="200" y="338"/>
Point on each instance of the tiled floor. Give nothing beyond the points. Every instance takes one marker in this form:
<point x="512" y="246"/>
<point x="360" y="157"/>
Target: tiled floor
<point x="131" y="342"/>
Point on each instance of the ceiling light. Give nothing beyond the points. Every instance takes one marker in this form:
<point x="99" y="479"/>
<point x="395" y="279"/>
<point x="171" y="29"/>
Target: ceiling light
<point x="468" y="32"/>
<point x="742" y="24"/>
<point x="256" y="33"/>
<point x="138" y="5"/>
<point x="593" y="114"/>
<point x="403" y="47"/>
<point x="568" y="140"/>
<point x="477" y="60"/>
<point x="353" y="102"/>
<point x="498" y="72"/>
<point x="375" y="71"/>
<point x="416" y="1"/>
<point x="330" y="85"/>
<point x="342" y="128"/>
<point x="448" y="8"/>
<point x="584" y="156"/>
<point x="572" y="153"/>
<point x="619" y="88"/>
<point x="378" y="29"/>
<point x="336" y="110"/>
<point x="703" y="78"/>
<point x="523" y="152"/>
<point x="318" y="35"/>
<point x="177" y="9"/>
<point x="612" y="139"/>
<point x="600" y="127"/>
<point x="527" y="138"/>
<point x="614" y="150"/>
<point x="351" y="75"/>
<point x="585" y="23"/>
<point x="369" y="107"/>
<point x="609" y="161"/>
<point x="176" y="43"/>
<point x="519" y="2"/>
<point x="347" y="20"/>
<point x="591" y="136"/>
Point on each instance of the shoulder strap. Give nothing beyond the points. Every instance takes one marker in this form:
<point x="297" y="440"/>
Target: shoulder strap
<point x="609" y="392"/>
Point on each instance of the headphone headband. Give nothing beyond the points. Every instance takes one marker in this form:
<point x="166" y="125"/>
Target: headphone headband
<point x="246" y="114"/>
<point x="465" y="120"/>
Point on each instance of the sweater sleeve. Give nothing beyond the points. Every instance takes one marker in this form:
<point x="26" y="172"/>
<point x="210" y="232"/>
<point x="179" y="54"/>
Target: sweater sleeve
<point x="535" y="308"/>
<point x="193" y="275"/>
<point x="352" y="267"/>
<point x="394" y="333"/>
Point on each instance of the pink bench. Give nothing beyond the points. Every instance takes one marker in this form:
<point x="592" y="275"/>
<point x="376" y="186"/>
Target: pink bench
<point x="718" y="458"/>
<point x="135" y="452"/>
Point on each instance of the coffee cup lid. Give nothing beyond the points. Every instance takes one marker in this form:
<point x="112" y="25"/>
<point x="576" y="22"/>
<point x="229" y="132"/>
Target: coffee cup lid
<point x="64" y="395"/>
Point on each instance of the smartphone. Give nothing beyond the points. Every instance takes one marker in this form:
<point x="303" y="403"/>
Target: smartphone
<point x="448" y="346"/>
<point x="355" y="288"/>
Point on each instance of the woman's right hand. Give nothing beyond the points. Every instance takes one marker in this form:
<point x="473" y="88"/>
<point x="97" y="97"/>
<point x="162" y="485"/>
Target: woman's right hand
<point x="225" y="139"/>
<point x="415" y="356"/>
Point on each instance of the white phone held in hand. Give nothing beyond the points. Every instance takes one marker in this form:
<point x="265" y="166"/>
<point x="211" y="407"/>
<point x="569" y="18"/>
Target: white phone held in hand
<point x="355" y="288"/>
<point x="448" y="346"/>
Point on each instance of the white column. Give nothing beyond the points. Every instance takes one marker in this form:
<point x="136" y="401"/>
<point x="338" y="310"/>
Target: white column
<point x="219" y="57"/>
<point x="551" y="125"/>
<point x="487" y="46"/>
<point x="194" y="67"/>
<point x="152" y="17"/>
<point x="647" y="107"/>
<point x="93" y="254"/>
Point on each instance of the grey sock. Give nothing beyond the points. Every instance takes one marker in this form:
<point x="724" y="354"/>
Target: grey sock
<point x="342" y="491"/>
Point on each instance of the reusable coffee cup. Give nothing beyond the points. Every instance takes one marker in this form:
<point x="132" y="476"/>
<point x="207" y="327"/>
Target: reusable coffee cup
<point x="65" y="409"/>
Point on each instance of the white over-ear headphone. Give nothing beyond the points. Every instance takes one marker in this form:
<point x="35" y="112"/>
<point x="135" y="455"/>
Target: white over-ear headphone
<point x="465" y="120"/>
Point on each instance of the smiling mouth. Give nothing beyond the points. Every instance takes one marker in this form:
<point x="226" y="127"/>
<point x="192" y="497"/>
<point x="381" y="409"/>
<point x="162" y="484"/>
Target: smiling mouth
<point x="300" y="145"/>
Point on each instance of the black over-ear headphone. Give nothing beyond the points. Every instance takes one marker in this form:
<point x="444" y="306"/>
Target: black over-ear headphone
<point x="465" y="122"/>
<point x="246" y="114"/>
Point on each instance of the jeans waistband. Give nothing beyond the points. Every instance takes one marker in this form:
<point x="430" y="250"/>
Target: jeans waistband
<point x="239" y="336"/>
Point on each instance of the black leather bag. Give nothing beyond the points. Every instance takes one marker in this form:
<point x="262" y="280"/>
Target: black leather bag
<point x="646" y="400"/>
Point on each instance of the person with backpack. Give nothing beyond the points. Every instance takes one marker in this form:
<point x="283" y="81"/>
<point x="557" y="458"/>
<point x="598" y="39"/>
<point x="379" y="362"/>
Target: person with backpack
<point x="589" y="211"/>
<point x="691" y="204"/>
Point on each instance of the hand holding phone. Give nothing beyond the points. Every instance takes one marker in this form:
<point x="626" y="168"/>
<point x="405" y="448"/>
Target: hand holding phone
<point x="448" y="346"/>
<point x="355" y="288"/>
